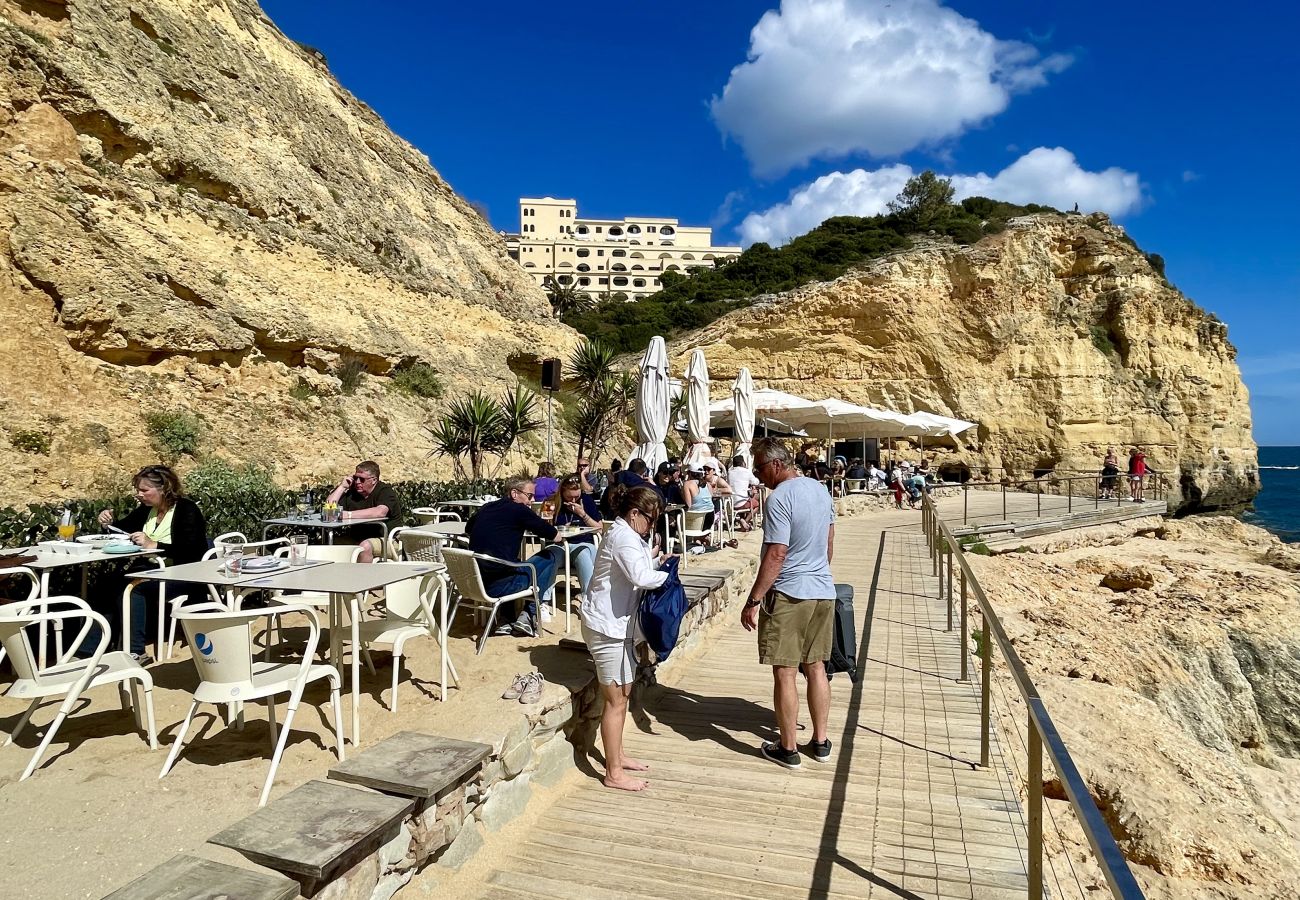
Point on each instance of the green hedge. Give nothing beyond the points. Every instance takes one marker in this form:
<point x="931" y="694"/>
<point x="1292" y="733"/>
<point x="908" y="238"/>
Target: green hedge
<point x="231" y="498"/>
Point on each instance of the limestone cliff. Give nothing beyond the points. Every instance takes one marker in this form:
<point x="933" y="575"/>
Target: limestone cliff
<point x="1169" y="660"/>
<point x="195" y="214"/>
<point x="1057" y="336"/>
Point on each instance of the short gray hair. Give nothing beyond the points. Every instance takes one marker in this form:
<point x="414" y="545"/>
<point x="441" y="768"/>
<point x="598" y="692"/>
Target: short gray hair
<point x="771" y="449"/>
<point x="516" y="484"/>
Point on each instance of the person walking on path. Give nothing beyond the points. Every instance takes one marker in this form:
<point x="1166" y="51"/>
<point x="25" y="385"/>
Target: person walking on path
<point x="625" y="566"/>
<point x="792" y="602"/>
<point x="1109" y="475"/>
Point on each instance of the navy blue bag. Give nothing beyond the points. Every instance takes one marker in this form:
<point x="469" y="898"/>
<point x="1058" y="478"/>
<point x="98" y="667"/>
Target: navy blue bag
<point x="662" y="611"/>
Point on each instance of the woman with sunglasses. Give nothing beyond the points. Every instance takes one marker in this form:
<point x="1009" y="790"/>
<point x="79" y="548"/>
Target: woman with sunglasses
<point x="625" y="566"/>
<point x="574" y="508"/>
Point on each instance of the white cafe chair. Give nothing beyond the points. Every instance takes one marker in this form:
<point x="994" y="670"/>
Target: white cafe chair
<point x="429" y="514"/>
<point x="230" y="538"/>
<point x="33" y="591"/>
<point x="223" y="644"/>
<point x="463" y="567"/>
<point x="408" y="613"/>
<point x="68" y="677"/>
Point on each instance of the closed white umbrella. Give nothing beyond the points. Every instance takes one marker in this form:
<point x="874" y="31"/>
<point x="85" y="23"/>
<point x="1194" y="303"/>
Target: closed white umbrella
<point x="697" y="409"/>
<point x="742" y="408"/>
<point x="653" y="396"/>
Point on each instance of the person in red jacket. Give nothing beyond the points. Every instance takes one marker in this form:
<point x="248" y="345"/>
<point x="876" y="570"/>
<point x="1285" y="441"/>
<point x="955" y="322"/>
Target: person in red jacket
<point x="1137" y="470"/>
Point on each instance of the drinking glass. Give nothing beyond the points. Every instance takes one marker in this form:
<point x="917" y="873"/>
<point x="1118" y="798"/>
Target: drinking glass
<point x="233" y="555"/>
<point x="66" y="532"/>
<point x="297" y="549"/>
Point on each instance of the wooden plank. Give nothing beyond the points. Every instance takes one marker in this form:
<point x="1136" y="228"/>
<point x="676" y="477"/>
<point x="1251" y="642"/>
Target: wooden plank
<point x="317" y="830"/>
<point x="411" y="764"/>
<point x="188" y="877"/>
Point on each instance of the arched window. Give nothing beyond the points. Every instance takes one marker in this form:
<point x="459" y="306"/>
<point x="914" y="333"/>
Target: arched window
<point x="688" y="256"/>
<point x="584" y="281"/>
<point x="583" y="267"/>
<point x="618" y="253"/>
<point x="673" y="268"/>
<point x="634" y="229"/>
<point x="566" y="264"/>
<point x="665" y="243"/>
<point x="582" y="229"/>
<point x="637" y="254"/>
<point x="665" y="256"/>
<point x="667" y="229"/>
<point x="633" y="241"/>
<point x="638" y="282"/>
<point x="566" y="279"/>
<point x="615" y="231"/>
<point x="583" y="251"/>
<point x="620" y="281"/>
<point x="636" y="268"/>
<point x="618" y="267"/>
<point x="709" y="256"/>
<point x="530" y="265"/>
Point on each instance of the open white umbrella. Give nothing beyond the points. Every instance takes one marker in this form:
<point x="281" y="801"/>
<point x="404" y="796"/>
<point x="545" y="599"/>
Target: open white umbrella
<point x="742" y="407"/>
<point x="652" y="402"/>
<point x="697" y="409"/>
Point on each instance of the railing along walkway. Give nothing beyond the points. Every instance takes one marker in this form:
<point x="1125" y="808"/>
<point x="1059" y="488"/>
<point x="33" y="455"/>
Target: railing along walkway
<point x="902" y="810"/>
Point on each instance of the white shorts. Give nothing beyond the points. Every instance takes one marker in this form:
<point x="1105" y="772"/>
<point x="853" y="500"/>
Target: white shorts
<point x="615" y="659"/>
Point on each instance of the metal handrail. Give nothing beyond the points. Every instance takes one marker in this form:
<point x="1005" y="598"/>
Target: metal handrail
<point x="944" y="549"/>
<point x="1155" y="483"/>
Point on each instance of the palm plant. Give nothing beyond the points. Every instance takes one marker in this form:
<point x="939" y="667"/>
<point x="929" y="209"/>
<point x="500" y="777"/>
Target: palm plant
<point x="565" y="298"/>
<point x="478" y="424"/>
<point x="607" y="396"/>
<point x="519" y="416"/>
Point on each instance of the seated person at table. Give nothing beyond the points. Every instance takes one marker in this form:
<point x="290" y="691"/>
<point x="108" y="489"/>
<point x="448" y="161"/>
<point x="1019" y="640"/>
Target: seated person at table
<point x="856" y="471"/>
<point x="165" y="520"/>
<point x="578" y="510"/>
<point x="699" y="499"/>
<point x="668" y="481"/>
<point x="362" y="495"/>
<point x="743" y="485"/>
<point x="498" y="530"/>
<point x="636" y="474"/>
<point x="546" y="484"/>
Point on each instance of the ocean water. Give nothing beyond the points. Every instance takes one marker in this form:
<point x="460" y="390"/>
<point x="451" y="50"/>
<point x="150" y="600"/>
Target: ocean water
<point x="1277" y="507"/>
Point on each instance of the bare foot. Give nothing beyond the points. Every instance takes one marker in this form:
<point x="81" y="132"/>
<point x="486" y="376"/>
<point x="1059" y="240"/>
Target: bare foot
<point x="623" y="783"/>
<point x="635" y="765"/>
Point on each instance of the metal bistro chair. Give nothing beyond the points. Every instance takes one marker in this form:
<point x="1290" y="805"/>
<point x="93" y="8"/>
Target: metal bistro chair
<point x="463" y="567"/>
<point x="431" y="514"/>
<point x="32" y="592"/>
<point x="68" y="678"/>
<point x="223" y="641"/>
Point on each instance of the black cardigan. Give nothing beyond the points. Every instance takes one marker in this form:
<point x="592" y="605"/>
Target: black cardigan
<point x="189" y="531"/>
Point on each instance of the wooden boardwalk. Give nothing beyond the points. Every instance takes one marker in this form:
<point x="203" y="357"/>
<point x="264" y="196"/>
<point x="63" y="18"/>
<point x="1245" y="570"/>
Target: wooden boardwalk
<point x="902" y="810"/>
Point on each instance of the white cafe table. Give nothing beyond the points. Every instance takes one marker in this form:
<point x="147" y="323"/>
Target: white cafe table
<point x="462" y="505"/>
<point x="349" y="580"/>
<point x="441" y="529"/>
<point x="49" y="560"/>
<point x="315" y="521"/>
<point x="568" y="533"/>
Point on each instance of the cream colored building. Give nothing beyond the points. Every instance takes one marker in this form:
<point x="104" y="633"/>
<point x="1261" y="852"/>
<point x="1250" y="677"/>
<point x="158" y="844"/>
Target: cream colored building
<point x="607" y="256"/>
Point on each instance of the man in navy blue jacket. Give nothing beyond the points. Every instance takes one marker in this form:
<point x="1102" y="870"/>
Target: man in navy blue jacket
<point x="498" y="530"/>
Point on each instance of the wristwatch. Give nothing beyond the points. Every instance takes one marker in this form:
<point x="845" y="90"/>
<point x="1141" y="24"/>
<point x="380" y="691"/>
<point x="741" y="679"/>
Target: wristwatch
<point x="751" y="603"/>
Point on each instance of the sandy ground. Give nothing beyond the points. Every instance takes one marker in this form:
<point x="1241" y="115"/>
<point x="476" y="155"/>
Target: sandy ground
<point x="95" y="815"/>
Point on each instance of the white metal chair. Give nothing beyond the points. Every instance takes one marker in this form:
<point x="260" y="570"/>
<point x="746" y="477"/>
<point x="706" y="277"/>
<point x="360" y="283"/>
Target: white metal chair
<point x="223" y="643"/>
<point x="327" y="552"/>
<point x="463" y="567"/>
<point x="408" y="613"/>
<point x="429" y="514"/>
<point x="32" y="592"/>
<point x="694" y="528"/>
<point x="855" y="486"/>
<point x="413" y="545"/>
<point x="68" y="677"/>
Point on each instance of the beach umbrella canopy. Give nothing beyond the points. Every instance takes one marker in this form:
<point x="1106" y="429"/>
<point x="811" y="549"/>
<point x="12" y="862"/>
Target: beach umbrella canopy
<point x="942" y="425"/>
<point x="742" y="408"/>
<point x="653" y="397"/>
<point x="697" y="409"/>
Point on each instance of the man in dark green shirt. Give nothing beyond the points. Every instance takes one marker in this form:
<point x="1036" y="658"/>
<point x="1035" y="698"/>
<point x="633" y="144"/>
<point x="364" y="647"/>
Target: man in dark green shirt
<point x="363" y="496"/>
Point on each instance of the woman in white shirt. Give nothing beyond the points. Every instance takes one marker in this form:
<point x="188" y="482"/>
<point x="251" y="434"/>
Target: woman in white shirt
<point x="625" y="566"/>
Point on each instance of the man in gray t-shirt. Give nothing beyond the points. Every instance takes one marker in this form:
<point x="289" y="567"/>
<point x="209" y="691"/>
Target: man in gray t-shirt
<point x="796" y="596"/>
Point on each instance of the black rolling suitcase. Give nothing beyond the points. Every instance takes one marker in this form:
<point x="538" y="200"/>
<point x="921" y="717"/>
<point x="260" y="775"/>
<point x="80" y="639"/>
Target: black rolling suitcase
<point x="844" y="649"/>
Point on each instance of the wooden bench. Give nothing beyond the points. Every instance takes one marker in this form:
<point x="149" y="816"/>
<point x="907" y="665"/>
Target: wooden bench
<point x="188" y="877"/>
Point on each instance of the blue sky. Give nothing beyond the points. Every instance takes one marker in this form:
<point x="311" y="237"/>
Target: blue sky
<point x="1171" y="116"/>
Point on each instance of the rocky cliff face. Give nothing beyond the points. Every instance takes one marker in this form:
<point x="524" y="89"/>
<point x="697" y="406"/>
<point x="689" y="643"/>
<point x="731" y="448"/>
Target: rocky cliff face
<point x="1169" y="660"/>
<point x="1057" y="336"/>
<point x="194" y="214"/>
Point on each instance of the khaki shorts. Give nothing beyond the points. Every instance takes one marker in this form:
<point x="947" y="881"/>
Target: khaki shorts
<point x="791" y="632"/>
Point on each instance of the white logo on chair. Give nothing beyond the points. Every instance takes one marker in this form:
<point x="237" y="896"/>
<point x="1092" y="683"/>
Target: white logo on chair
<point x="204" y="643"/>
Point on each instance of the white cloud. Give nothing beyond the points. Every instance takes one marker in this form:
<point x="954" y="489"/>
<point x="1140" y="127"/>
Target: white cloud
<point x="1051" y="176"/>
<point x="826" y="78"/>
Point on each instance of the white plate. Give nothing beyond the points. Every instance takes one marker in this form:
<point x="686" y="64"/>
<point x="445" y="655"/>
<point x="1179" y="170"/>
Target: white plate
<point x="98" y="540"/>
<point x="259" y="564"/>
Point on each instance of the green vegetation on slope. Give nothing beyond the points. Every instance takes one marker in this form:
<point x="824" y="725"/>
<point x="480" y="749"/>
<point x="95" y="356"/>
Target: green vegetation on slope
<point x="824" y="253"/>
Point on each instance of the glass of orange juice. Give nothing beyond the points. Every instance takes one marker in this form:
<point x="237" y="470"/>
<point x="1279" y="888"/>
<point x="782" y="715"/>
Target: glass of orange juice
<point x="66" y="532"/>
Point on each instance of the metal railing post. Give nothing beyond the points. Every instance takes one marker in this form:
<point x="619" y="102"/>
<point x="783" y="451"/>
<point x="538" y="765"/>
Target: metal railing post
<point x="1004" y="502"/>
<point x="965" y="503"/>
<point x="965" y="629"/>
<point x="1039" y="499"/>
<point x="986" y="684"/>
<point x="1069" y="497"/>
<point x="949" y="580"/>
<point x="1035" y="787"/>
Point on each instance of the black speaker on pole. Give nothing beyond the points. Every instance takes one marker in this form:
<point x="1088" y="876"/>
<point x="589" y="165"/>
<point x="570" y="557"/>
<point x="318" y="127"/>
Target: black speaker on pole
<point x="551" y="374"/>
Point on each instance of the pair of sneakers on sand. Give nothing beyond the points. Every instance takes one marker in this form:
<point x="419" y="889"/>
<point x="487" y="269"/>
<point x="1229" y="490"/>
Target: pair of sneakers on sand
<point x="526" y="688"/>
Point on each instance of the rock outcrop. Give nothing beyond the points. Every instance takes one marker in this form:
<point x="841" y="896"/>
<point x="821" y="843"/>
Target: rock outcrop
<point x="195" y="215"/>
<point x="1179" y="696"/>
<point x="1056" y="335"/>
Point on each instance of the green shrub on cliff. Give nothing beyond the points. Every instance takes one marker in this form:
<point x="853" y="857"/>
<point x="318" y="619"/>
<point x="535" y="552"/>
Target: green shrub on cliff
<point x="825" y="253"/>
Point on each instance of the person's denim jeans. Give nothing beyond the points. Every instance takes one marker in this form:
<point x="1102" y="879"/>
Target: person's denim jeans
<point x="583" y="559"/>
<point x="545" y="563"/>
<point x="144" y="615"/>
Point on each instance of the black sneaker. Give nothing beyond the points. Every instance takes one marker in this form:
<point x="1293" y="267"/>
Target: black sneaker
<point x="819" y="751"/>
<point x="524" y="627"/>
<point x="781" y="756"/>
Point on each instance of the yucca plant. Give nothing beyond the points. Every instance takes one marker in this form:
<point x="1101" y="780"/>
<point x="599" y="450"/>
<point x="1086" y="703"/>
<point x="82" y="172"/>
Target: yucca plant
<point x="519" y="416"/>
<point x="606" y="395"/>
<point x="478" y="424"/>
